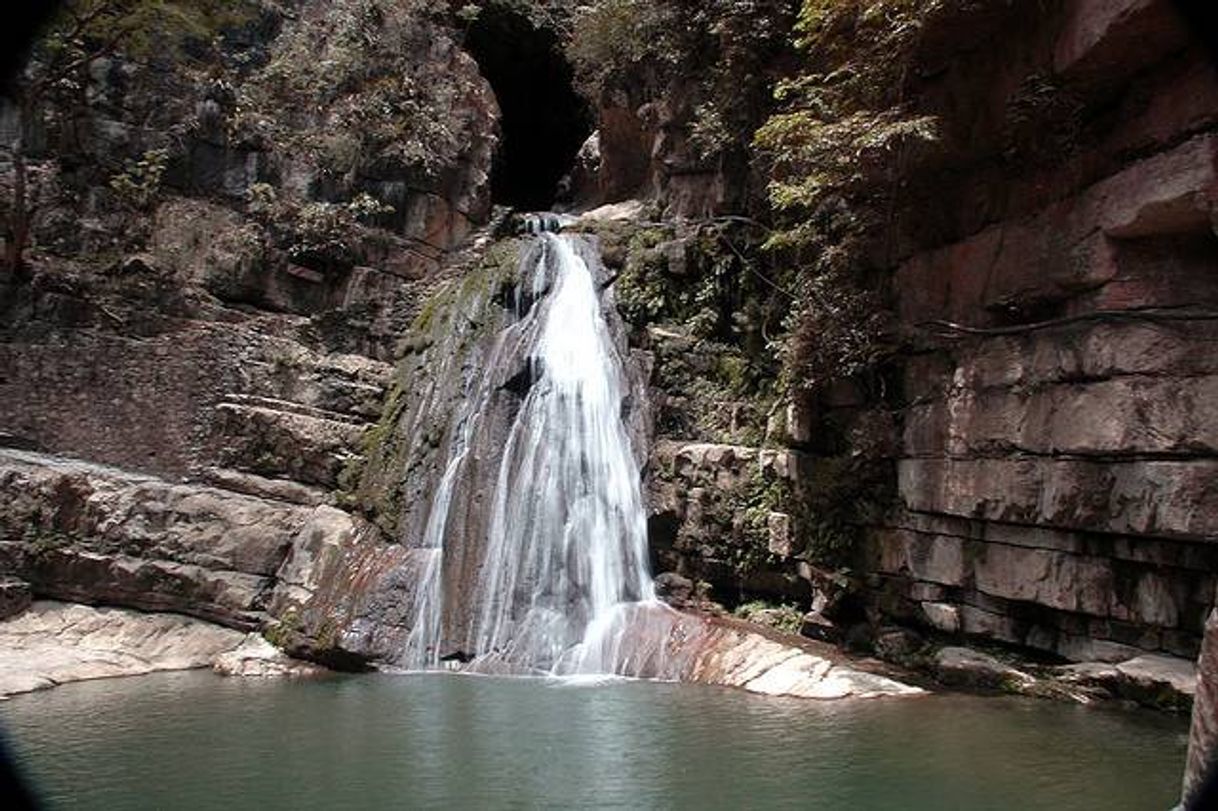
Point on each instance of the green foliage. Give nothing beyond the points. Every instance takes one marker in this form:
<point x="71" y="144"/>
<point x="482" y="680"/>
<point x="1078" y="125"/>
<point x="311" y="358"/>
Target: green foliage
<point x="140" y="184"/>
<point x="719" y="50"/>
<point x="316" y="233"/>
<point x="44" y="539"/>
<point x="840" y="494"/>
<point x="347" y="90"/>
<point x="613" y="37"/>
<point x="282" y="634"/>
<point x="786" y="617"/>
<point x="689" y="294"/>
<point x="58" y="75"/>
<point x="833" y="154"/>
<point x="84" y="30"/>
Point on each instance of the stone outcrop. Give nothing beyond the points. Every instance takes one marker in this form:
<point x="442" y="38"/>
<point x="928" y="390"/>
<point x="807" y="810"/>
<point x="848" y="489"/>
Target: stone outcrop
<point x="660" y="643"/>
<point x="324" y="584"/>
<point x="255" y="657"/>
<point x="55" y="643"/>
<point x="87" y="533"/>
<point x="970" y="668"/>
<point x="200" y="332"/>
<point x="714" y="516"/>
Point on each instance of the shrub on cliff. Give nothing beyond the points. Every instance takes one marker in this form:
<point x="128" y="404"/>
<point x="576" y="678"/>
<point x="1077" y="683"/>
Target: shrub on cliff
<point x="834" y="153"/>
<point x="57" y="77"/>
<point x="347" y="89"/>
<point x="721" y="53"/>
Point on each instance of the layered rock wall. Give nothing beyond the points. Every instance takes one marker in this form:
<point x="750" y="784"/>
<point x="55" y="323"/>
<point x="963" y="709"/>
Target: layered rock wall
<point x="191" y="377"/>
<point x="238" y="321"/>
<point x="1057" y="464"/>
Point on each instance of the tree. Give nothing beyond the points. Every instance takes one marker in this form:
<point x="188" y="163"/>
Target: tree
<point x="833" y="154"/>
<point x="80" y="34"/>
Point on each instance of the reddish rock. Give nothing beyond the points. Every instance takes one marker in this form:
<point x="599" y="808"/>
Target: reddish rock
<point x="1170" y="193"/>
<point x="1114" y="38"/>
<point x="1138" y="497"/>
<point x="1059" y="252"/>
<point x="1203" y="736"/>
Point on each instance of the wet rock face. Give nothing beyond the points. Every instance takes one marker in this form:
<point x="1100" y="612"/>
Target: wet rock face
<point x="665" y="644"/>
<point x="463" y="380"/>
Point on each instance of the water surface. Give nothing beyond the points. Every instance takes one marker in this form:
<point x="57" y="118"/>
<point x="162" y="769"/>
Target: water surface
<point x="195" y="741"/>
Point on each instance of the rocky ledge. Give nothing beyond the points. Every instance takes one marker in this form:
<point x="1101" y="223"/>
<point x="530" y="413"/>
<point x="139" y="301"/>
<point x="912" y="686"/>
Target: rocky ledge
<point x="652" y="640"/>
<point x="54" y="643"/>
<point x="730" y="655"/>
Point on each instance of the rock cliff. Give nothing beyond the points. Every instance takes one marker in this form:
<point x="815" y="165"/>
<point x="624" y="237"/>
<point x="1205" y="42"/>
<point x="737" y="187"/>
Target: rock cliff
<point x="223" y="393"/>
<point x="217" y="348"/>
<point x="1055" y="470"/>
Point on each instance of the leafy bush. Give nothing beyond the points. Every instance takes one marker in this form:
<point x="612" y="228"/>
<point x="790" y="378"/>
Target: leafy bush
<point x="139" y="186"/>
<point x="719" y="51"/>
<point x="314" y="232"/>
<point x="833" y="154"/>
<point x="787" y="618"/>
<point x="347" y="90"/>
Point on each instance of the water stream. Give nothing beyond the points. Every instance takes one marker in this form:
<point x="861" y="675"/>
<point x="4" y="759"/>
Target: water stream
<point x="565" y="552"/>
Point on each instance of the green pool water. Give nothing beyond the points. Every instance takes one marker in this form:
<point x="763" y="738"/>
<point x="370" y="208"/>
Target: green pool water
<point x="199" y="741"/>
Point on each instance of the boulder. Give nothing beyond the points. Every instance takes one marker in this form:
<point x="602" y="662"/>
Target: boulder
<point x="815" y="626"/>
<point x="674" y="589"/>
<point x="942" y="616"/>
<point x="896" y="644"/>
<point x="15" y="597"/>
<point x="258" y="658"/>
<point x="1163" y="681"/>
<point x="965" y="667"/>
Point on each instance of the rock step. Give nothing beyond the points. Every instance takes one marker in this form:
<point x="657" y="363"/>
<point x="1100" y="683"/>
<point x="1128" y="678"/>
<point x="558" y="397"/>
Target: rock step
<point x="76" y="574"/>
<point x="239" y="400"/>
<point x="251" y="484"/>
<point x="275" y="443"/>
<point x="53" y="643"/>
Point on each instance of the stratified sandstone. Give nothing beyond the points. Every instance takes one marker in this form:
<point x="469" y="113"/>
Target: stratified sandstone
<point x="1057" y="460"/>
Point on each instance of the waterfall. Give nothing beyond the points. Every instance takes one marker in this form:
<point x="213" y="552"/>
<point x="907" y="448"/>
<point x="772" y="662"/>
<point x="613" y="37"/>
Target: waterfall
<point x="564" y="559"/>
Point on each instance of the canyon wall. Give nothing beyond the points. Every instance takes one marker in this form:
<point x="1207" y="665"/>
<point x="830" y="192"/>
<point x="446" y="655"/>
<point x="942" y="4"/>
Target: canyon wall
<point x="1056" y="468"/>
<point x="1042" y="441"/>
<point x="1045" y="430"/>
<point x="185" y="378"/>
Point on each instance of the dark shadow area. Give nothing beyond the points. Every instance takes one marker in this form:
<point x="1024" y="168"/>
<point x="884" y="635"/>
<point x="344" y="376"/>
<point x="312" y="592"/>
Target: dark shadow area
<point x="544" y="121"/>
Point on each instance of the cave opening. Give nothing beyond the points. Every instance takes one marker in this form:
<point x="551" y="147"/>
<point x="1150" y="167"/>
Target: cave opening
<point x="543" y="120"/>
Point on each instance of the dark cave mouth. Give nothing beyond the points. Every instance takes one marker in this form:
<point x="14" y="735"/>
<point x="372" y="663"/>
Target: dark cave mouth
<point x="543" y="120"/>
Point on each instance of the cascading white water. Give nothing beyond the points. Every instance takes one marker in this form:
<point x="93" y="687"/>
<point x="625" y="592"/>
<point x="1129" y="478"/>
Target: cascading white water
<point x="565" y="556"/>
<point x="567" y="540"/>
